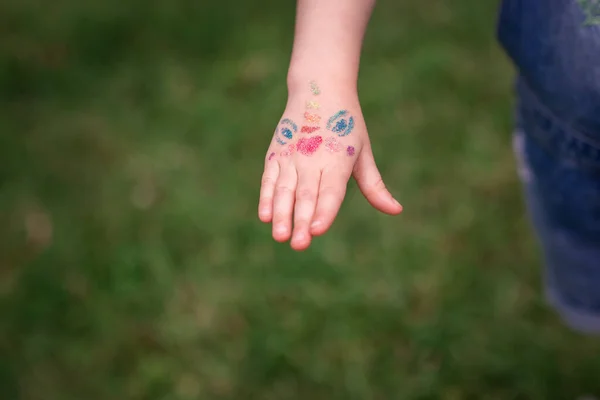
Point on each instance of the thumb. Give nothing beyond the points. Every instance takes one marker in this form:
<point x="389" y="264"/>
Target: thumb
<point x="371" y="184"/>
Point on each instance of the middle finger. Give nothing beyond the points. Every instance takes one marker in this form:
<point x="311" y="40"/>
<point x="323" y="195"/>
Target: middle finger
<point x="283" y="203"/>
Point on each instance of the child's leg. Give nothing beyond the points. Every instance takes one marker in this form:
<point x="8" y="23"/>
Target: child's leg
<point x="560" y="170"/>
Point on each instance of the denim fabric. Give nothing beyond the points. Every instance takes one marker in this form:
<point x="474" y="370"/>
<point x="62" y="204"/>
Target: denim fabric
<point x="555" y="45"/>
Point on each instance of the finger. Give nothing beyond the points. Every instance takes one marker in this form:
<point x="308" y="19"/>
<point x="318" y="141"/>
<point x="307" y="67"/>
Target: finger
<point x="371" y="184"/>
<point x="332" y="190"/>
<point x="306" y="201"/>
<point x="267" y="189"/>
<point x="283" y="203"/>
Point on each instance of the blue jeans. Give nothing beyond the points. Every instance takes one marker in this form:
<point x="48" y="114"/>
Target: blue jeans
<point x="560" y="170"/>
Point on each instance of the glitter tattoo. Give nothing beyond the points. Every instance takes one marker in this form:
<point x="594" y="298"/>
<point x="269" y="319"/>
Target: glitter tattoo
<point x="271" y="156"/>
<point x="312" y="118"/>
<point x="289" y="151"/>
<point x="309" y="129"/>
<point x="339" y="124"/>
<point x="350" y="151"/>
<point x="286" y="130"/>
<point x="333" y="145"/>
<point x="312" y="105"/>
<point x="314" y="88"/>
<point x="308" y="146"/>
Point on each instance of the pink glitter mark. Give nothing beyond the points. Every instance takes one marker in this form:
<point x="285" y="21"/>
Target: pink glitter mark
<point x="350" y="150"/>
<point x="271" y="156"/>
<point x="289" y="151"/>
<point x="314" y="118"/>
<point x="310" y="145"/>
<point x="333" y="145"/>
<point x="309" y="129"/>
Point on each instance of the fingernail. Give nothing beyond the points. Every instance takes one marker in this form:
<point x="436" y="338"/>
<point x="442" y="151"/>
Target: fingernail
<point x="280" y="229"/>
<point x="299" y="236"/>
<point x="316" y="224"/>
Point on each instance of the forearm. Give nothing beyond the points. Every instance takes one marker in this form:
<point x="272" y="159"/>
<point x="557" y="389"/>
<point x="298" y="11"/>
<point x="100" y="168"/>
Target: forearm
<point x="328" y="41"/>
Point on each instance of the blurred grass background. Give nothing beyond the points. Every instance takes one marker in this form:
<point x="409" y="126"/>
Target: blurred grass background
<point x="132" y="263"/>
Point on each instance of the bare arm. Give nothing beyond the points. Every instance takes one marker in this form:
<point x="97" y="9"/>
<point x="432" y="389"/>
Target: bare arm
<point x="328" y="42"/>
<point x="321" y="139"/>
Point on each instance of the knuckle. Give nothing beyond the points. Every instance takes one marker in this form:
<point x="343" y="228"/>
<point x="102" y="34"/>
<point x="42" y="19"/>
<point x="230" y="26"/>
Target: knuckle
<point x="375" y="187"/>
<point x="265" y="201"/>
<point x="302" y="225"/>
<point x="305" y="194"/>
<point x="283" y="190"/>
<point x="267" y="180"/>
<point x="332" y="191"/>
<point x="378" y="185"/>
<point x="301" y="221"/>
<point x="281" y="217"/>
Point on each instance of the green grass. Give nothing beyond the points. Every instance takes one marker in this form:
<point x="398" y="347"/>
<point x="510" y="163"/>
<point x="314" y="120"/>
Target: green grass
<point x="133" y="265"/>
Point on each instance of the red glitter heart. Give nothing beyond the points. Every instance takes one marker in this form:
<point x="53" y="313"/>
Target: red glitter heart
<point x="309" y="129"/>
<point x="309" y="146"/>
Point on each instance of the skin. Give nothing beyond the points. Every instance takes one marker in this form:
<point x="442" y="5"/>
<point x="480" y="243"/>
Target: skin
<point x="301" y="195"/>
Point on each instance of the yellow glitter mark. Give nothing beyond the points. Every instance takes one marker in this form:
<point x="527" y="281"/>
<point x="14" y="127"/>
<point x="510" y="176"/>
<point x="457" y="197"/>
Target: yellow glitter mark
<point x="314" y="118"/>
<point x="312" y="105"/>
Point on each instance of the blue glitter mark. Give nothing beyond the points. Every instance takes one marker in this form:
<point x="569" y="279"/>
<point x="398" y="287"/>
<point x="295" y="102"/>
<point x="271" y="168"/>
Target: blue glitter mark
<point x="291" y="123"/>
<point x="350" y="126"/>
<point x="340" y="126"/>
<point x="335" y="117"/>
<point x="286" y="130"/>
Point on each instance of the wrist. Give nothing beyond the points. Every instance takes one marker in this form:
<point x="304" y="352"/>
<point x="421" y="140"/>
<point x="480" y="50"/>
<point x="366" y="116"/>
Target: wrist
<point x="340" y="83"/>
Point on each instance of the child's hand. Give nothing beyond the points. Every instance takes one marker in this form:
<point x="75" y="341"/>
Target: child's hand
<point x="320" y="141"/>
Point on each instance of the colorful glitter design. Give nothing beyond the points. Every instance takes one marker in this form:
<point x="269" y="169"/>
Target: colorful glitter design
<point x="271" y="156"/>
<point x="339" y="124"/>
<point x="309" y="129"/>
<point x="333" y="145"/>
<point x="285" y="131"/>
<point x="350" y="151"/>
<point x="313" y="118"/>
<point x="289" y="151"/>
<point x="337" y="115"/>
<point x="314" y="88"/>
<point x="308" y="146"/>
<point x="312" y="105"/>
<point x="290" y="123"/>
